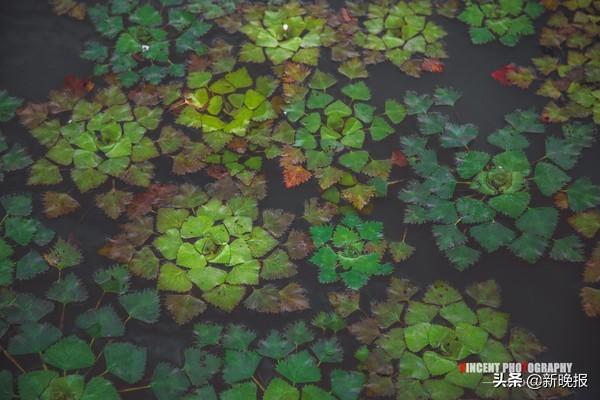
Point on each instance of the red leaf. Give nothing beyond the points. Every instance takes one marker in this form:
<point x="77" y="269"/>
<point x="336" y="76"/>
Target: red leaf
<point x="399" y="159"/>
<point x="217" y="171"/>
<point x="294" y="175"/>
<point x="345" y="15"/>
<point x="432" y="65"/>
<point x="500" y="74"/>
<point x="78" y="86"/>
<point x="156" y="195"/>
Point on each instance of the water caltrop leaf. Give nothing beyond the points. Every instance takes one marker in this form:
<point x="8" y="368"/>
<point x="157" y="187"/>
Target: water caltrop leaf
<point x="279" y="389"/>
<point x="299" y="368"/>
<point x="126" y="361"/>
<point x="143" y="305"/>
<point x="69" y="354"/>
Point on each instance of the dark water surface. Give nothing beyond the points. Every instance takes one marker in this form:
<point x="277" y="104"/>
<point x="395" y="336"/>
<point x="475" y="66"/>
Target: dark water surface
<point x="37" y="49"/>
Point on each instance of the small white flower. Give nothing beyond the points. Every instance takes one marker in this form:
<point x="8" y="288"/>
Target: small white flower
<point x="286" y="27"/>
<point x="145" y="47"/>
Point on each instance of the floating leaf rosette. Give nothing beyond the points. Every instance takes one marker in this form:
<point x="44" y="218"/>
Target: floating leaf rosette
<point x="568" y="72"/>
<point x="218" y="246"/>
<point x="329" y="140"/>
<point x="504" y="20"/>
<point x="412" y="347"/>
<point x="233" y="113"/>
<point x="403" y="33"/>
<point x="143" y="40"/>
<point x="353" y="251"/>
<point x="100" y="136"/>
<point x="30" y="326"/>
<point x="484" y="191"/>
<point x="282" y="32"/>
<point x="233" y="363"/>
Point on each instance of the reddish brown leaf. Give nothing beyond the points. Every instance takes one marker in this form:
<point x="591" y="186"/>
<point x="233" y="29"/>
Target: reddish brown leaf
<point x="184" y="307"/>
<point x="432" y="65"/>
<point x="156" y="196"/>
<point x="293" y="298"/>
<point x="217" y="171"/>
<point x="591" y="273"/>
<point x="144" y="95"/>
<point x="500" y="74"/>
<point x="138" y="230"/>
<point x="295" y="175"/>
<point x="118" y="249"/>
<point x="33" y="114"/>
<point x="590" y="301"/>
<point x="399" y="159"/>
<point x="238" y="145"/>
<point x="78" y="86"/>
<point x="58" y="204"/>
<point x="114" y="202"/>
<point x="365" y="330"/>
<point x="345" y="303"/>
<point x="345" y="15"/>
<point x="561" y="200"/>
<point x="298" y="245"/>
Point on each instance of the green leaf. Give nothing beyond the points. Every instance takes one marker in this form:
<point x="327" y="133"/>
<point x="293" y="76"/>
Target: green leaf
<point x="473" y="211"/>
<point x="455" y="135"/>
<point x="143" y="305"/>
<point x="275" y="346"/>
<point x="103" y="322"/>
<point x="354" y="160"/>
<point x="311" y="392"/>
<point x="8" y="105"/>
<point x="240" y="391"/>
<point x="394" y="111"/>
<point x="469" y="164"/>
<point x="321" y="80"/>
<point x="353" y="69"/>
<point x="299" y="368"/>
<point x="463" y="256"/>
<point x="67" y="290"/>
<point x="346" y="385"/>
<point x="69" y="354"/>
<point x="441" y="293"/>
<point x="442" y="390"/>
<point x="125" y="361"/>
<point x="492" y="236"/>
<point x="446" y="96"/>
<point x="380" y="129"/>
<point x="432" y="123"/>
<point x="436" y="364"/>
<point x="168" y="382"/>
<point x="549" y="178"/>
<point x="16" y="205"/>
<point x="486" y="293"/>
<point x="417" y="336"/>
<point x="416" y="104"/>
<point x="525" y="121"/>
<point x="20" y="230"/>
<point x="457" y="313"/>
<point x="99" y="388"/>
<point x="412" y="366"/>
<point x="30" y="265"/>
<point x="278" y="389"/>
<point x="471" y="15"/>
<point x="540" y="221"/>
<point x="569" y="248"/>
<point x="510" y="204"/>
<point x="357" y="91"/>
<point x="493" y="321"/>
<point x="583" y="194"/>
<point x="239" y="365"/>
<point x="529" y="247"/>
<point x="33" y="338"/>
